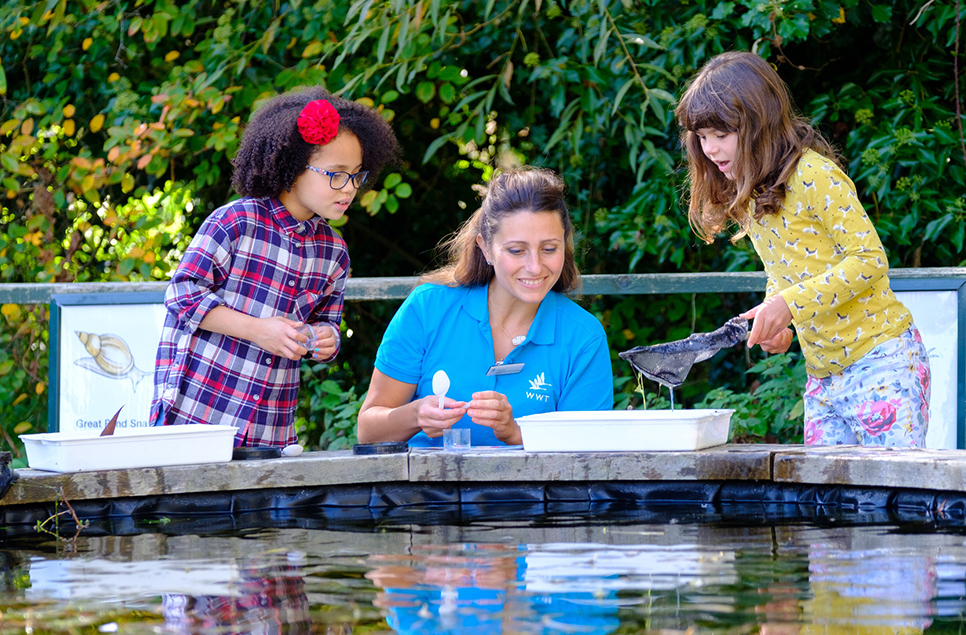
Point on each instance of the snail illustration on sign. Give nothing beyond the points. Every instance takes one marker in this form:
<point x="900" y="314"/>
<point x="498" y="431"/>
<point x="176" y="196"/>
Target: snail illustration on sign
<point x="110" y="357"/>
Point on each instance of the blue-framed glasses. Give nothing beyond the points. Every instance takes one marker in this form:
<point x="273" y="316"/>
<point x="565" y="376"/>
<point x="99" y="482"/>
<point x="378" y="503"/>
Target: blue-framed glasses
<point x="338" y="180"/>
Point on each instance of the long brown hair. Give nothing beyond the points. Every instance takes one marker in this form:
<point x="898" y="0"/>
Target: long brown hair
<point x="741" y="93"/>
<point x="510" y="192"/>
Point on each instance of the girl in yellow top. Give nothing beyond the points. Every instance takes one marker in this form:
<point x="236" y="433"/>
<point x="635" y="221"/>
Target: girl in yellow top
<point x="754" y="164"/>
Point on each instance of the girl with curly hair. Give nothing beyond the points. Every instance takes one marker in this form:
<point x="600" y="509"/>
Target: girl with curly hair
<point x="755" y="164"/>
<point x="266" y="266"/>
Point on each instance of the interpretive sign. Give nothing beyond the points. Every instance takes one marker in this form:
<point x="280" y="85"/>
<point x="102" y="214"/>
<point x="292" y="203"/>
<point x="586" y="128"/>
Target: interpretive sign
<point x="938" y="316"/>
<point x="102" y="351"/>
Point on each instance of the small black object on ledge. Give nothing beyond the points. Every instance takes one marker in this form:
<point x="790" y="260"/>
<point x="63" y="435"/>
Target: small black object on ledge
<point x="7" y="477"/>
<point x="386" y="447"/>
<point x="264" y="452"/>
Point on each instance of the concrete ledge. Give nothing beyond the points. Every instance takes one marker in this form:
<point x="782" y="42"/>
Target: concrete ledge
<point x="943" y="470"/>
<point x="312" y="469"/>
<point x="727" y="462"/>
<point x="875" y="467"/>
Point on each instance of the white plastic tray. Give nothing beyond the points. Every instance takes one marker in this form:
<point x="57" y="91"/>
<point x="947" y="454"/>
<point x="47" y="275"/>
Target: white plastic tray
<point x="156" y="446"/>
<point x="625" y="430"/>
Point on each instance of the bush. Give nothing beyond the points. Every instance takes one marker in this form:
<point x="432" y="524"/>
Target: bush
<point x="771" y="411"/>
<point x="119" y="122"/>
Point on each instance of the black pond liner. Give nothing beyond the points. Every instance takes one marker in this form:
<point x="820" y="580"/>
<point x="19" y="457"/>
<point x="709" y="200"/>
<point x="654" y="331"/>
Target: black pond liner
<point x="380" y="507"/>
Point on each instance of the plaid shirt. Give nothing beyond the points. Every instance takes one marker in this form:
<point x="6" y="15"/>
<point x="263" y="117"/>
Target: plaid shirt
<point x="252" y="256"/>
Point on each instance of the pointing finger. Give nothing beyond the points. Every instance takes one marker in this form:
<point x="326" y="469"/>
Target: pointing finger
<point x="750" y="313"/>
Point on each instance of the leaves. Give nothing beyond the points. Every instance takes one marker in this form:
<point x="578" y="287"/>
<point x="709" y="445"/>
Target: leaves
<point x="118" y="127"/>
<point x="425" y="91"/>
<point x="9" y="163"/>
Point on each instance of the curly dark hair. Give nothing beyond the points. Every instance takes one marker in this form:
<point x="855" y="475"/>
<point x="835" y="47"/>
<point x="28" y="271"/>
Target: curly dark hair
<point x="273" y="154"/>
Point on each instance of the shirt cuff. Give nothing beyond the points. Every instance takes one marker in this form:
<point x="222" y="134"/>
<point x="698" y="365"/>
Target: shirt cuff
<point x="338" y="340"/>
<point x="204" y="307"/>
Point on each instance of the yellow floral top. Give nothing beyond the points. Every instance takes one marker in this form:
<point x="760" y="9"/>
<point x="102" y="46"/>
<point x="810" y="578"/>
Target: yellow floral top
<point x="823" y="255"/>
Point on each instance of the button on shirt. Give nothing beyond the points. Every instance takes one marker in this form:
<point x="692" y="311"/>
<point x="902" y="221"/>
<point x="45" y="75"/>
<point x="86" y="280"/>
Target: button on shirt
<point x="565" y="356"/>
<point x="252" y="256"/>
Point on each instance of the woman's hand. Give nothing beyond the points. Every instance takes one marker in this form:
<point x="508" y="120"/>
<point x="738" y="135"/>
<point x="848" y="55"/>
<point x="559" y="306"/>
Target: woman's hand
<point x="492" y="409"/>
<point x="770" y="317"/>
<point x="433" y="420"/>
<point x="387" y="414"/>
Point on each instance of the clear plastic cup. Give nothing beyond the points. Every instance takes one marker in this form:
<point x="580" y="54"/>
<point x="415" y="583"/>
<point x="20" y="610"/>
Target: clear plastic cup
<point x="308" y="332"/>
<point x="456" y="439"/>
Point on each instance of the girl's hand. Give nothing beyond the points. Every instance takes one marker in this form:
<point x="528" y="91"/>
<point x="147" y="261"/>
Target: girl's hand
<point x="770" y="318"/>
<point x="492" y="409"/>
<point x="779" y="343"/>
<point x="432" y="420"/>
<point x="325" y="343"/>
<point x="280" y="336"/>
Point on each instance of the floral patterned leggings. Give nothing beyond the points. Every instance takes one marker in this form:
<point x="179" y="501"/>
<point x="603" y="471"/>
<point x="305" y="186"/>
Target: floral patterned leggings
<point x="882" y="399"/>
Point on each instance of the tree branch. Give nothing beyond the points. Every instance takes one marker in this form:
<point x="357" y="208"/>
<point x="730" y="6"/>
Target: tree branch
<point x="627" y="53"/>
<point x="959" y="115"/>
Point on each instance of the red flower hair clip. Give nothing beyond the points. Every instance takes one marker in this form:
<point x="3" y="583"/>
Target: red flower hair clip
<point x="319" y="122"/>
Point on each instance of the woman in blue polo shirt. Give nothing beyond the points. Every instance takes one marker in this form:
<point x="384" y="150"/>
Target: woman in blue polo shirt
<point x="496" y="320"/>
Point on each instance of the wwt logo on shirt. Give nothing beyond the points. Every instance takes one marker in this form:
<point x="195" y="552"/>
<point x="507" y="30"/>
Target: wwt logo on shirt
<point x="538" y="385"/>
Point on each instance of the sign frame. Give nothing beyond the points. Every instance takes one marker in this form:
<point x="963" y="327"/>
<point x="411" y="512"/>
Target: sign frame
<point x="60" y="307"/>
<point x="955" y="284"/>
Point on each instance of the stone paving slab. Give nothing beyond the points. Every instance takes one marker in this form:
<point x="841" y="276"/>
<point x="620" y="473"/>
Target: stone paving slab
<point x="312" y="469"/>
<point x="876" y="467"/>
<point x="726" y="462"/>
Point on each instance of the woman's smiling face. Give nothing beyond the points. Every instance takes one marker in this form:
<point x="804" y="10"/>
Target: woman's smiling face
<point x="720" y="147"/>
<point x="527" y="253"/>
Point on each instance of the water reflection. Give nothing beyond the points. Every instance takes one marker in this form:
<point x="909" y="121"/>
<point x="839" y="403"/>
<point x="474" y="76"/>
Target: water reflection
<point x="268" y="598"/>
<point x="859" y="582"/>
<point x="482" y="588"/>
<point x="496" y="575"/>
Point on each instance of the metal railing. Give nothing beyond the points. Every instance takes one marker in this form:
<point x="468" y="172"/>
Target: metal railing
<point x="363" y="289"/>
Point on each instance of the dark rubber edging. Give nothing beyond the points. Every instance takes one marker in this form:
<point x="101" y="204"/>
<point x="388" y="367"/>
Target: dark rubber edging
<point x="362" y="506"/>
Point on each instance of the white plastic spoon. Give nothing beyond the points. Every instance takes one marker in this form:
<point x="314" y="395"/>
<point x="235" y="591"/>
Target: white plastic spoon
<point x="440" y="385"/>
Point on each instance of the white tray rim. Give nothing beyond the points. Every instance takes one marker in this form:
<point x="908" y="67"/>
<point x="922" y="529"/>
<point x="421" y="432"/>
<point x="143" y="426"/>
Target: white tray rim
<point x="130" y="435"/>
<point x="623" y="417"/>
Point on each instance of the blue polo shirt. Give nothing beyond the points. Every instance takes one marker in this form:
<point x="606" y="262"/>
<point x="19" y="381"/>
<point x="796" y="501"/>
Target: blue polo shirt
<point x="480" y="611"/>
<point x="566" y="363"/>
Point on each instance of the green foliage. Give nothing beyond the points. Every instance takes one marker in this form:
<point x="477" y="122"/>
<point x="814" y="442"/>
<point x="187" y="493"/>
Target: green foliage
<point x="772" y="409"/>
<point x="23" y="382"/>
<point x="331" y="413"/>
<point x="119" y="122"/>
<point x="624" y="400"/>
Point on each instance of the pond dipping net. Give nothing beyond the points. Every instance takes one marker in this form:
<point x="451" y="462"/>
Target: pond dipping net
<point x="669" y="364"/>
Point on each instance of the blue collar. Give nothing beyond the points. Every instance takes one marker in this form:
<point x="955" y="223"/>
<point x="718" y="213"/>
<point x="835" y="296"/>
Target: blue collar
<point x="544" y="327"/>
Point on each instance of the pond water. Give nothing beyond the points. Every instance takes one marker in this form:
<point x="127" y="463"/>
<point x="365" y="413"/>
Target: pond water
<point x="491" y="569"/>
